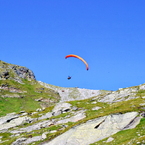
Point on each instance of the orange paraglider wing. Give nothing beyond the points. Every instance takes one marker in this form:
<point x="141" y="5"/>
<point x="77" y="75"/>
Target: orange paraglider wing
<point x="76" y="56"/>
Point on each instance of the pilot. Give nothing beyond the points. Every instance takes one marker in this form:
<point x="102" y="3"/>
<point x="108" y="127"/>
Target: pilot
<point x="69" y="77"/>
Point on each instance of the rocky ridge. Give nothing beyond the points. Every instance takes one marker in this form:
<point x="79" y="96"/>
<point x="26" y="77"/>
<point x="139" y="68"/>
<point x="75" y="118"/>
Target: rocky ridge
<point x="70" y="94"/>
<point x="15" y="72"/>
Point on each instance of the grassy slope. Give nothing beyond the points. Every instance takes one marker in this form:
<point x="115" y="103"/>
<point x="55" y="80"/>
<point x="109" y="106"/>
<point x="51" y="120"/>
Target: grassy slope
<point x="31" y="90"/>
<point x="130" y="136"/>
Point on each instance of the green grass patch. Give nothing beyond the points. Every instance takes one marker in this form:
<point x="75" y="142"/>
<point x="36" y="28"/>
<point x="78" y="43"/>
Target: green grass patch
<point x="30" y="91"/>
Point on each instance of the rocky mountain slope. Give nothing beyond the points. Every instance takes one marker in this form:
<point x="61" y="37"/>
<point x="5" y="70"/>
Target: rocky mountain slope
<point x="33" y="112"/>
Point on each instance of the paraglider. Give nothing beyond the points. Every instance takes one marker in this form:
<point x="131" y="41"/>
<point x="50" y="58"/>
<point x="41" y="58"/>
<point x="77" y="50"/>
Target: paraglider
<point x="76" y="56"/>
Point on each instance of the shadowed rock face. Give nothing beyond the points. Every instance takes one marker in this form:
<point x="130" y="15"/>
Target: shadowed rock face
<point x="15" y="72"/>
<point x="24" y="72"/>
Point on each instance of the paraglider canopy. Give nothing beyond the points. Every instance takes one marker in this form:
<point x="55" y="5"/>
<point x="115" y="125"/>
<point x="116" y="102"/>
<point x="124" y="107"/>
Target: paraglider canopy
<point x="76" y="56"/>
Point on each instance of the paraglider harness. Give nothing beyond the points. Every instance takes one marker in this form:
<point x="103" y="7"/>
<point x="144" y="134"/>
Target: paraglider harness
<point x="69" y="77"/>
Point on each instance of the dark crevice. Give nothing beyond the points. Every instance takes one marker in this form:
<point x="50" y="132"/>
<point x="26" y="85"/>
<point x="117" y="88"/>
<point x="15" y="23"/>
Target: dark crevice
<point x="99" y="124"/>
<point x="129" y="124"/>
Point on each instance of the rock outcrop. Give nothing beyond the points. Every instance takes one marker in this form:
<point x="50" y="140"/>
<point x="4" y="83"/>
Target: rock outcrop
<point x="97" y="129"/>
<point x="12" y="120"/>
<point x="15" y="72"/>
<point x="70" y="94"/>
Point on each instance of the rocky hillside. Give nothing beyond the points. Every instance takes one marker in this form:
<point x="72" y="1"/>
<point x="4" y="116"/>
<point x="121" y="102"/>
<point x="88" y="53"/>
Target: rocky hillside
<point x="33" y="112"/>
<point x="15" y="72"/>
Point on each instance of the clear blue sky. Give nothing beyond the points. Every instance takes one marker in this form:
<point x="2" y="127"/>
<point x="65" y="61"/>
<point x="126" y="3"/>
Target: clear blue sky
<point x="108" y="34"/>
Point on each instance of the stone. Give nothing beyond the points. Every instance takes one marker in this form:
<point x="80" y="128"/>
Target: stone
<point x="110" y="139"/>
<point x="5" y="75"/>
<point x="94" y="102"/>
<point x="74" y="108"/>
<point x="39" y="99"/>
<point x="23" y="72"/>
<point x="24" y="114"/>
<point x="142" y="87"/>
<point x="143" y="104"/>
<point x="53" y="131"/>
<point x="96" y="108"/>
<point x="121" y="95"/>
<point x="47" y="115"/>
<point x="43" y="136"/>
<point x="38" y="109"/>
<point x="35" y="126"/>
<point x="15" y="122"/>
<point x="143" y="114"/>
<point x="78" y="116"/>
<point x="62" y="107"/>
<point x="33" y="139"/>
<point x="94" y="130"/>
<point x="8" y="118"/>
<point x="19" y="141"/>
<point x="56" y="113"/>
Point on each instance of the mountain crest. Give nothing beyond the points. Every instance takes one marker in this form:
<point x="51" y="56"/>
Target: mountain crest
<point x="15" y="72"/>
